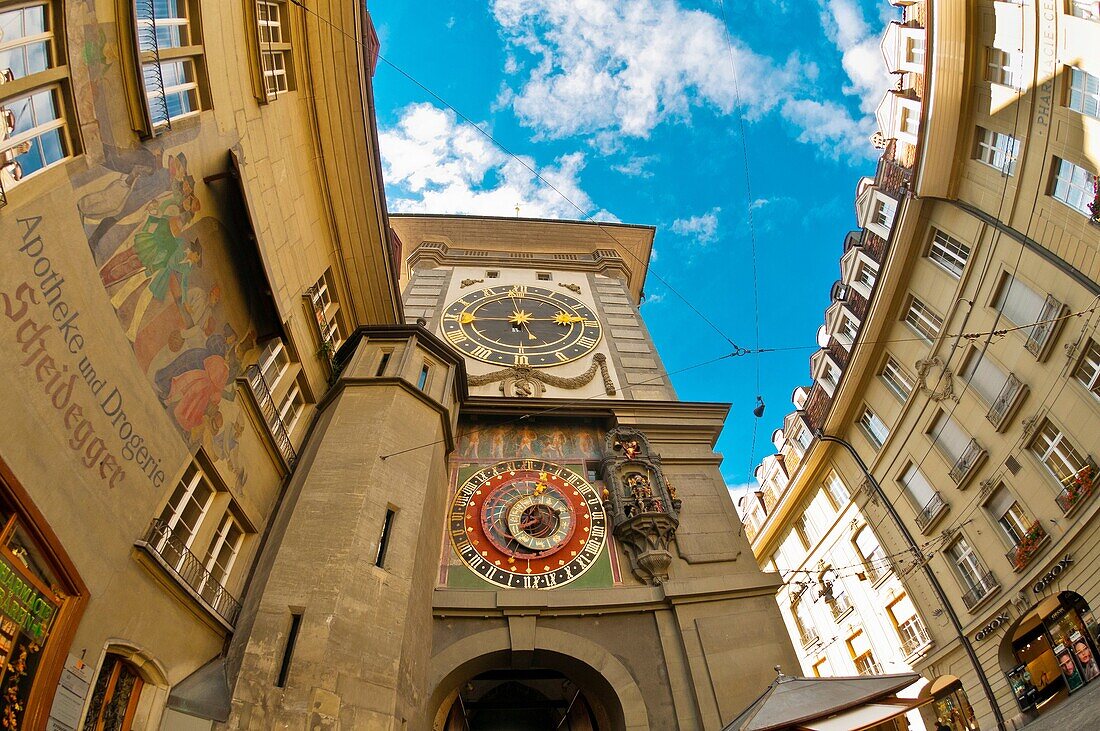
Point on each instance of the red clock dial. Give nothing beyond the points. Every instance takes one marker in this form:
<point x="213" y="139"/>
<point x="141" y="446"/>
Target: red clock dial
<point x="528" y="524"/>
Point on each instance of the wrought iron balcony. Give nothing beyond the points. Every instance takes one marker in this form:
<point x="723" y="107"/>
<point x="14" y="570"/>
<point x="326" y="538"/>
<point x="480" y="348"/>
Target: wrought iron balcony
<point x="1078" y="487"/>
<point x="967" y="462"/>
<point x="931" y="511"/>
<point x="1011" y="392"/>
<point x="808" y="636"/>
<point x="271" y="415"/>
<point x="913" y="635"/>
<point x="177" y="558"/>
<point x="985" y="585"/>
<point x="838" y="605"/>
<point x="868" y="666"/>
<point x="1028" y="547"/>
<point x="1043" y="329"/>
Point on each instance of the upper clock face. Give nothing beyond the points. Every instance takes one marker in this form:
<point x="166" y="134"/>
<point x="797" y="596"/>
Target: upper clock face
<point x="521" y="326"/>
<point x="528" y="524"/>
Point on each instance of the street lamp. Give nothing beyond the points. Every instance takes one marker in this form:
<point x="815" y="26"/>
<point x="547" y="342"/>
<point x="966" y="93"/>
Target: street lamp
<point x="927" y="572"/>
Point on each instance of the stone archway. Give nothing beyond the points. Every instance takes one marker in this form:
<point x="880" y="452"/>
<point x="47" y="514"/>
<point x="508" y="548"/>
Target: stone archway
<point x="611" y="692"/>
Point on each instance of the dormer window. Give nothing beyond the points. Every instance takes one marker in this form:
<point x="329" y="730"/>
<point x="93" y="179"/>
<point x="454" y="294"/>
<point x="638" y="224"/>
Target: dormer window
<point x="846" y="333"/>
<point x="914" y="50"/>
<point x="882" y="214"/>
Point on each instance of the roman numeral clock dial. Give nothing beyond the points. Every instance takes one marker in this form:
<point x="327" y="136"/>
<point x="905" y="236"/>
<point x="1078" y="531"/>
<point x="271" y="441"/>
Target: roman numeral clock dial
<point x="521" y="326"/>
<point x="527" y="524"/>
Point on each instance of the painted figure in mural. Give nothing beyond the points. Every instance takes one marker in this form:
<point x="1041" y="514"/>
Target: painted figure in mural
<point x="554" y="445"/>
<point x="528" y="439"/>
<point x="496" y="443"/>
<point x="586" y="444"/>
<point x="473" y="442"/>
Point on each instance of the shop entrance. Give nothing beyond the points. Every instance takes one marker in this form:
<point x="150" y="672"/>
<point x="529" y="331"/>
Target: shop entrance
<point x="950" y="707"/>
<point x="1051" y="652"/>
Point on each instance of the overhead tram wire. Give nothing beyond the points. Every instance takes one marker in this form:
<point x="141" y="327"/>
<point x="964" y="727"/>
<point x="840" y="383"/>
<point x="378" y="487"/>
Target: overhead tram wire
<point x="485" y="133"/>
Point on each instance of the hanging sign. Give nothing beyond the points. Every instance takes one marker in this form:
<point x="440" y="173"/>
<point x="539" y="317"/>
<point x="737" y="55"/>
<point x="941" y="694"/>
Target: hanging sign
<point x="1049" y="577"/>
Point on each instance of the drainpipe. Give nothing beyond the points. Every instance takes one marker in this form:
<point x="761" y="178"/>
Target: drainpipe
<point x="928" y="574"/>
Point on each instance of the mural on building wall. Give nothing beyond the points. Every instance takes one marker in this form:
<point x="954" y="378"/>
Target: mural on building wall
<point x="154" y="248"/>
<point x="557" y="442"/>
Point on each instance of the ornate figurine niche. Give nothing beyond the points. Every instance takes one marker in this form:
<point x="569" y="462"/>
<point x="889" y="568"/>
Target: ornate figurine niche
<point x="644" y="508"/>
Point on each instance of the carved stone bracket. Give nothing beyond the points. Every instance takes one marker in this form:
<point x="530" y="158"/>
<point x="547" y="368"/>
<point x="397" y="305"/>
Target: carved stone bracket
<point x="644" y="507"/>
<point x="944" y="387"/>
<point x="470" y="283"/>
<point x="868" y="489"/>
<point x="574" y="288"/>
<point x="1029" y="425"/>
<point x="532" y="379"/>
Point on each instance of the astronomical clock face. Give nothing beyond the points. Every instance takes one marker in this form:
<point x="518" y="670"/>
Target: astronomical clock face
<point x="521" y="326"/>
<point x="528" y="524"/>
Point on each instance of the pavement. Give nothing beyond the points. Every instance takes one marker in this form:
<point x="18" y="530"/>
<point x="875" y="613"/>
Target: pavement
<point x="1079" y="712"/>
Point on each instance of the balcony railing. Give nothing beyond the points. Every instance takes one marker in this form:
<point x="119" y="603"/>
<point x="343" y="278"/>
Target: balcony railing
<point x="868" y="666"/>
<point x="985" y="585"/>
<point x="1006" y="400"/>
<point x="271" y="415"/>
<point x="931" y="511"/>
<point x="1078" y="487"/>
<point x="913" y="635"/>
<point x="1044" y="327"/>
<point x="808" y="636"/>
<point x="178" y="559"/>
<point x="967" y="462"/>
<point x="1028" y="547"/>
<point x="838" y="605"/>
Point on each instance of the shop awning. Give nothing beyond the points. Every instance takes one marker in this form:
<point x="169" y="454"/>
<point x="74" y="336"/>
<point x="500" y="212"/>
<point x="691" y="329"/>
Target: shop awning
<point x="860" y="718"/>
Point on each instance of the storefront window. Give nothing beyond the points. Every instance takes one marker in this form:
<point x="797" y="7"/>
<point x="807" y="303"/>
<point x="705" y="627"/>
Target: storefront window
<point x="953" y="709"/>
<point x="115" y="697"/>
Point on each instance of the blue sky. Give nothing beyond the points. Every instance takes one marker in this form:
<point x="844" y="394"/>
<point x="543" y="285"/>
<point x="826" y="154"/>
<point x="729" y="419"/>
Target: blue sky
<point x="628" y="108"/>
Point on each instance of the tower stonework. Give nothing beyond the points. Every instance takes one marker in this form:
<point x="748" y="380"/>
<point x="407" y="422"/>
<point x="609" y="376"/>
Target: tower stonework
<point x="504" y="517"/>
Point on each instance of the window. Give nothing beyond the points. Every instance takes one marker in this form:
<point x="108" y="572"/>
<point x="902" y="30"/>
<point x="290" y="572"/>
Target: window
<point x="1075" y="186"/>
<point x="1013" y="520"/>
<point x="809" y="524"/>
<point x="169" y="46"/>
<point x="807" y="633"/>
<point x="422" y="380"/>
<point x="1002" y="67"/>
<point x="860" y="650"/>
<point x="492" y="274"/>
<point x="115" y="695"/>
<point x="871" y="554"/>
<point x="224" y="549"/>
<point x="278" y="396"/>
<point x="803" y="438"/>
<point x="1087" y="9"/>
<point x="866" y="274"/>
<point x="846" y="333"/>
<point x="838" y="493"/>
<point x="34" y="128"/>
<point x="949" y="437"/>
<point x="326" y="310"/>
<point x="914" y="50"/>
<point x="883" y="213"/>
<point x="1018" y="302"/>
<point x="1087" y="371"/>
<point x="288" y="649"/>
<point x="273" y="362"/>
<point x="923" y="320"/>
<point x="382" y="363"/>
<point x="874" y="428"/>
<point x="1084" y="92"/>
<point x="896" y="379"/>
<point x="984" y="376"/>
<point x="184" y="513"/>
<point x="968" y="567"/>
<point x="909" y="122"/>
<point x="384" y="538"/>
<point x="833" y="592"/>
<point x="1053" y="449"/>
<point x="997" y="150"/>
<point x="911" y="629"/>
<point x="830" y="376"/>
<point x="291" y="407"/>
<point x="271" y="22"/>
<point x="948" y="253"/>
<point x="918" y="487"/>
<point x="543" y="276"/>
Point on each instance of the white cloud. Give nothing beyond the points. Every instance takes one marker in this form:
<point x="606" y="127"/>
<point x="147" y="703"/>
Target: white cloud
<point x="740" y="490"/>
<point x="831" y="127"/>
<point x="598" y="65"/>
<point x="432" y="162"/>
<point x="861" y="56"/>
<point x="636" y="167"/>
<point x="703" y="228"/>
<point x="655" y="298"/>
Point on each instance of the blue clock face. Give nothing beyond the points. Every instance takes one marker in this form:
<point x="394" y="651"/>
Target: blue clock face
<point x="521" y="326"/>
<point x="528" y="524"/>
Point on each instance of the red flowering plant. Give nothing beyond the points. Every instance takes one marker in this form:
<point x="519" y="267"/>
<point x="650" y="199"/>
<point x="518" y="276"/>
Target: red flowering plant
<point x="1080" y="486"/>
<point x="1094" y="207"/>
<point x="1028" y="546"/>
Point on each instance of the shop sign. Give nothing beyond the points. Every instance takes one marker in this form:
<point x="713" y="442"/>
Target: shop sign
<point x="1049" y="577"/>
<point x="994" y="624"/>
<point x="23" y="604"/>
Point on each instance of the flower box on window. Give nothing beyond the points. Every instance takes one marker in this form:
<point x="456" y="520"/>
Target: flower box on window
<point x="1078" y="487"/>
<point x="1028" y="547"/>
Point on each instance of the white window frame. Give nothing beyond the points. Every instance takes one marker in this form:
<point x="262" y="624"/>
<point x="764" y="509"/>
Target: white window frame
<point x="326" y="307"/>
<point x="180" y="57"/>
<point x="1086" y="9"/>
<point x="866" y="275"/>
<point x="1003" y="67"/>
<point x="193" y="482"/>
<point x="997" y="150"/>
<point x="847" y="329"/>
<point x="967" y="565"/>
<point x="1073" y="186"/>
<point x="219" y="568"/>
<point x="948" y="253"/>
<point x="874" y="428"/>
<point x="291" y="408"/>
<point x="837" y="490"/>
<point x="1087" y="370"/>
<point x="923" y="320"/>
<point x="1083" y="92"/>
<point x="896" y="379"/>
<point x="1058" y="454"/>
<point x="274" y="38"/>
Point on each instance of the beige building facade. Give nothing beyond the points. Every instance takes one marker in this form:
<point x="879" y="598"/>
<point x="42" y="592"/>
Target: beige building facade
<point x="959" y="357"/>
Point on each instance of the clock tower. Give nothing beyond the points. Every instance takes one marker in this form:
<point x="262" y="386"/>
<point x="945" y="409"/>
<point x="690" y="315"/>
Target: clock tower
<point x="592" y="567"/>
